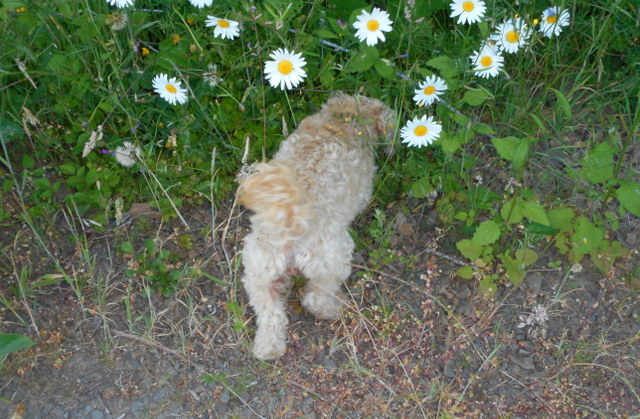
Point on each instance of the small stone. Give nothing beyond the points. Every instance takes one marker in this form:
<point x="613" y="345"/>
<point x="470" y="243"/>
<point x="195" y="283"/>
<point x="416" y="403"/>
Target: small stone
<point x="534" y="282"/>
<point x="96" y="414"/>
<point x="525" y="363"/>
<point x="448" y="369"/>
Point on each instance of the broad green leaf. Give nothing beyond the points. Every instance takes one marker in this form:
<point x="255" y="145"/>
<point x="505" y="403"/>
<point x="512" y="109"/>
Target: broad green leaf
<point x="597" y="164"/>
<point x="445" y="64"/>
<point x="511" y="211"/>
<point x="475" y="97"/>
<point x="27" y="162"/>
<point x="586" y="238"/>
<point x="560" y="218"/>
<point x="325" y="33"/>
<point x="513" y="149"/>
<point x="483" y="129"/>
<point x="465" y="272"/>
<point x="127" y="247"/>
<point x="562" y="105"/>
<point x="486" y="233"/>
<point x="526" y="257"/>
<point x="12" y="343"/>
<point x="535" y="212"/>
<point x="629" y="196"/>
<point x="9" y="131"/>
<point x="384" y="69"/>
<point x="362" y="60"/>
<point x="514" y="269"/>
<point x="469" y="249"/>
<point x="421" y="188"/>
<point x="488" y="286"/>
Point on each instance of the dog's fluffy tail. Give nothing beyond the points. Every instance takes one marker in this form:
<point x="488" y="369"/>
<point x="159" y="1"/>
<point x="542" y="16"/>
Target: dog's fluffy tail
<point x="277" y="200"/>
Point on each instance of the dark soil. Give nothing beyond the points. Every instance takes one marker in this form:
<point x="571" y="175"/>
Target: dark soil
<point x="415" y="342"/>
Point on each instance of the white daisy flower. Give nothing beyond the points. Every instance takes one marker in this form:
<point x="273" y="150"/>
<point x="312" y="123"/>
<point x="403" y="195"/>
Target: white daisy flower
<point x="201" y="3"/>
<point x="128" y="154"/>
<point x="552" y="21"/>
<point x="285" y="69"/>
<point x="420" y="132"/>
<point x="223" y="28"/>
<point x="511" y="35"/>
<point x="169" y="89"/>
<point x="120" y="3"/>
<point x="429" y="90"/>
<point x="468" y="11"/>
<point x="488" y="62"/>
<point x="370" y="26"/>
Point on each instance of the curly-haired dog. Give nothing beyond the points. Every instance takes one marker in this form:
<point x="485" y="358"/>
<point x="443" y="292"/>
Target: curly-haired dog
<point x="303" y="202"/>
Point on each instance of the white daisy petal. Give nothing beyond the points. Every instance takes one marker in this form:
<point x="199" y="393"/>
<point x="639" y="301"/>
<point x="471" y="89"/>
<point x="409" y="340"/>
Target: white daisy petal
<point x="468" y="11"/>
<point x="223" y="28"/>
<point x="120" y="3"/>
<point x="420" y="132"/>
<point x="284" y="70"/>
<point x="169" y="89"/>
<point x="429" y="90"/>
<point x="201" y="3"/>
<point x="511" y="35"/>
<point x="553" y="20"/>
<point x="371" y="26"/>
<point x="487" y="62"/>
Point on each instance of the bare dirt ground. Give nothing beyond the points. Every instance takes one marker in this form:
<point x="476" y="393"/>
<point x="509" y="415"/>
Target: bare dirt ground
<point x="415" y="342"/>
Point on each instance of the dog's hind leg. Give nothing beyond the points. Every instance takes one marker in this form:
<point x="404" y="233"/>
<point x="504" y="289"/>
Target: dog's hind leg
<point x="266" y="284"/>
<point x="326" y="267"/>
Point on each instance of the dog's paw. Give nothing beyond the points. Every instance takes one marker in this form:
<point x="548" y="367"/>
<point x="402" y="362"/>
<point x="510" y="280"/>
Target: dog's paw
<point x="323" y="305"/>
<point x="271" y="338"/>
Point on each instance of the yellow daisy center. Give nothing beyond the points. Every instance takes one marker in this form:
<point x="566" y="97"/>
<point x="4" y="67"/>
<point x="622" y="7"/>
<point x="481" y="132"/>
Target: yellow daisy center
<point x="223" y="23"/>
<point x="285" y="67"/>
<point x="552" y="19"/>
<point x="171" y="88"/>
<point x="373" y="25"/>
<point x="468" y="6"/>
<point x="486" y="61"/>
<point x="429" y="90"/>
<point x="512" y="36"/>
<point x="420" y="130"/>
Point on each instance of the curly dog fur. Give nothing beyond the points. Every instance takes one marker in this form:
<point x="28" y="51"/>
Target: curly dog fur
<point x="303" y="202"/>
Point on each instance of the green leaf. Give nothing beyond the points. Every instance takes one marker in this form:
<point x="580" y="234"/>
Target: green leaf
<point x="465" y="272"/>
<point x="562" y="105"/>
<point x="325" y="33"/>
<point x="421" y="188"/>
<point x="486" y="233"/>
<point x="445" y="64"/>
<point x="629" y="196"/>
<point x="511" y="211"/>
<point x="560" y="218"/>
<point x="535" y="212"/>
<point x="475" y="97"/>
<point x="126" y="247"/>
<point x="27" y="162"/>
<point x="384" y="69"/>
<point x="67" y="168"/>
<point x="483" y="129"/>
<point x="526" y="257"/>
<point x="12" y="343"/>
<point x="512" y="149"/>
<point x="362" y="60"/>
<point x="586" y="238"/>
<point x="514" y="269"/>
<point x="9" y="131"/>
<point x="597" y="164"/>
<point x="488" y="286"/>
<point x="469" y="249"/>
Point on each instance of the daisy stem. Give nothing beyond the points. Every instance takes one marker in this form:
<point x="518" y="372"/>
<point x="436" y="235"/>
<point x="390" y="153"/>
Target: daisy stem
<point x="290" y="108"/>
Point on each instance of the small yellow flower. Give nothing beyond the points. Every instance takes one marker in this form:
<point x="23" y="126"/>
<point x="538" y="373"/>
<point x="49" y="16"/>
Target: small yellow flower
<point x="175" y="39"/>
<point x="535" y="21"/>
<point x="145" y="51"/>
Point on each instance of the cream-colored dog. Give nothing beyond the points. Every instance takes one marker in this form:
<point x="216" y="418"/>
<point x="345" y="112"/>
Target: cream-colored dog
<point x="303" y="202"/>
